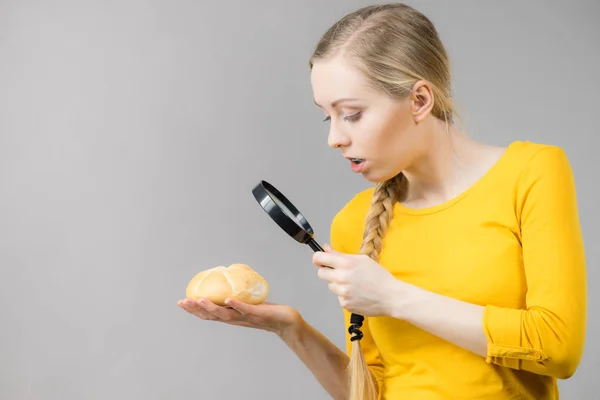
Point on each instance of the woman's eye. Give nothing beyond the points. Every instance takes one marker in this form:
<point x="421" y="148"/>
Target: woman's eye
<point x="353" y="117"/>
<point x="350" y="118"/>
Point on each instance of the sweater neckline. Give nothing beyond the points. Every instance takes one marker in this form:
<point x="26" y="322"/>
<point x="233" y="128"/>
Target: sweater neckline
<point x="479" y="184"/>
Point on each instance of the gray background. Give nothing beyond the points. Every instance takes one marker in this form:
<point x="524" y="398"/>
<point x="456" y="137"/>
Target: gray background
<point x="132" y="133"/>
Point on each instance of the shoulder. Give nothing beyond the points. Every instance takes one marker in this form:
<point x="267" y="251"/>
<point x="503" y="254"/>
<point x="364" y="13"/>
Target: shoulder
<point x="526" y="163"/>
<point x="538" y="161"/>
<point x="348" y="223"/>
<point x="545" y="178"/>
<point x="527" y="155"/>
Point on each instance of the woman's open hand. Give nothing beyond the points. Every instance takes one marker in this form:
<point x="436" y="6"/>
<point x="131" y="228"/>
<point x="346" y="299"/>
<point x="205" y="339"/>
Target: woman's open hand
<point x="268" y="316"/>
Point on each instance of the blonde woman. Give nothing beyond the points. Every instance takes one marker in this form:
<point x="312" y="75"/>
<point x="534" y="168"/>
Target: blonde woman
<point x="465" y="259"/>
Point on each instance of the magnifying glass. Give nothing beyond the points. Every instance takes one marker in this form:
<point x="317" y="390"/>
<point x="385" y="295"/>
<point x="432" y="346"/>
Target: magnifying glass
<point x="286" y="215"/>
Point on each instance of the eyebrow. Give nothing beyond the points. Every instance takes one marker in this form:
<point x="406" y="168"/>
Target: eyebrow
<point x="336" y="102"/>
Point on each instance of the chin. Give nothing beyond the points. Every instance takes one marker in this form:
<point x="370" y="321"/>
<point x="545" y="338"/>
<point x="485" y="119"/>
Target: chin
<point x="378" y="176"/>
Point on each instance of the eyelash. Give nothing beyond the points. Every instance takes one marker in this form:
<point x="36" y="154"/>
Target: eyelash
<point x="350" y="118"/>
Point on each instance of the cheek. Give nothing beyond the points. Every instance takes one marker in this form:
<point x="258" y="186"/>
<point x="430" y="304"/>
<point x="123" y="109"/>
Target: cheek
<point x="391" y="144"/>
<point x="389" y="138"/>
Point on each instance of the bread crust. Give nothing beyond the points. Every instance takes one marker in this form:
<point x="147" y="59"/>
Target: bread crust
<point x="237" y="281"/>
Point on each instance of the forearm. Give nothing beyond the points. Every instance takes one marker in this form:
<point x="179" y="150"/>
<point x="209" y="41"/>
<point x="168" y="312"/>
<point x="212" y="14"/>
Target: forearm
<point x="453" y="320"/>
<point x="325" y="360"/>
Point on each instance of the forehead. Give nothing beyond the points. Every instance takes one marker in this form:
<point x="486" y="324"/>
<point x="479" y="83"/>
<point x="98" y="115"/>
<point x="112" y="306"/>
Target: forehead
<point x="337" y="78"/>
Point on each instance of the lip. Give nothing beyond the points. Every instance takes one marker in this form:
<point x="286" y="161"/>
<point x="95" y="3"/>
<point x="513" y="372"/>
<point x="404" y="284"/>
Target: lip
<point x="357" y="167"/>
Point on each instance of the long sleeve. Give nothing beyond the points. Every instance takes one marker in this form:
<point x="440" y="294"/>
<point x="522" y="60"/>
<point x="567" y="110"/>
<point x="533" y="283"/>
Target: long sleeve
<point x="548" y="336"/>
<point x="341" y="238"/>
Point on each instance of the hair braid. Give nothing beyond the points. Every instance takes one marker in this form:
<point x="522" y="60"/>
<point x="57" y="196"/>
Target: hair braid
<point x="362" y="383"/>
<point x="382" y="205"/>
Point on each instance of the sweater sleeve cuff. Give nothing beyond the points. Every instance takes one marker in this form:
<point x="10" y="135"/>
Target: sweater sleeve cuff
<point x="502" y="328"/>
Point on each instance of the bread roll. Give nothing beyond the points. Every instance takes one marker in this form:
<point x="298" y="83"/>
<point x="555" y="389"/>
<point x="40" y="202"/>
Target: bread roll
<point x="237" y="281"/>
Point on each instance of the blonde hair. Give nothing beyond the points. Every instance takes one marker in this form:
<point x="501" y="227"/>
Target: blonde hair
<point x="394" y="46"/>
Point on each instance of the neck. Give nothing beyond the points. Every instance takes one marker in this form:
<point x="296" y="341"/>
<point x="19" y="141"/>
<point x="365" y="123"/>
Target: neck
<point x="447" y="164"/>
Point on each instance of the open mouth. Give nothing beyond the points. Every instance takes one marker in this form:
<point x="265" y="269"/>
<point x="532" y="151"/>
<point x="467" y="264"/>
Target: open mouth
<point x="357" y="160"/>
<point x="357" y="164"/>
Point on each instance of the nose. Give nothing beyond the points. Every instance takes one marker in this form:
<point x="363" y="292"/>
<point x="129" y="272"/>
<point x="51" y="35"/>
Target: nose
<point x="337" y="138"/>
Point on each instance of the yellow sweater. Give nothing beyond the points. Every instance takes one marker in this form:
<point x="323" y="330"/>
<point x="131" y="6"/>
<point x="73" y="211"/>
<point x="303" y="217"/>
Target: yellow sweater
<point x="511" y="243"/>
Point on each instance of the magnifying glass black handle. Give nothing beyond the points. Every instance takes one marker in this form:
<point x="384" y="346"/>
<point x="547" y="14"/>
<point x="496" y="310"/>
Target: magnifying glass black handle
<point x="312" y="243"/>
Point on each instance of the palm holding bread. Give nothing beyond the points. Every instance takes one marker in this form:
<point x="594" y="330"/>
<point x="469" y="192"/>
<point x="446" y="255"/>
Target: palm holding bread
<point x="236" y="295"/>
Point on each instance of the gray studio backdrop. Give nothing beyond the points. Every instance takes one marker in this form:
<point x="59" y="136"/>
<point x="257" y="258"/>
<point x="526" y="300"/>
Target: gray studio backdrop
<point x="132" y="133"/>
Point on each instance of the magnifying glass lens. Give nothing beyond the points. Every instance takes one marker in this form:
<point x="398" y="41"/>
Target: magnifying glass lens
<point x="285" y="210"/>
<point x="285" y="214"/>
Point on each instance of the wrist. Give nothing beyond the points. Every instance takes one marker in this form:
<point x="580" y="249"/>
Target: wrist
<point x="293" y="332"/>
<point x="401" y="299"/>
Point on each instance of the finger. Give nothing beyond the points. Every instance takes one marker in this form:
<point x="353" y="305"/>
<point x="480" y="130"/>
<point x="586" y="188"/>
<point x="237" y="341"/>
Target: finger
<point x="326" y="274"/>
<point x="324" y="259"/>
<point x="332" y="288"/>
<point x="337" y="289"/>
<point x="344" y="303"/>
<point x="239" y="306"/>
<point x="221" y="313"/>
<point x="194" y="308"/>
<point x="205" y="315"/>
<point x="328" y="249"/>
<point x="189" y="305"/>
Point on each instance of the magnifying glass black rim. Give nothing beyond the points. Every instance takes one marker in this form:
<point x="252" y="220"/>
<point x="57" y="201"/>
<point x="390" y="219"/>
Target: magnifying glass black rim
<point x="302" y="233"/>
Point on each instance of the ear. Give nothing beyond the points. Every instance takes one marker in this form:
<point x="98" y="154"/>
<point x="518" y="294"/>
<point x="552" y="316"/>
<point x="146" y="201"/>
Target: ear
<point x="421" y="100"/>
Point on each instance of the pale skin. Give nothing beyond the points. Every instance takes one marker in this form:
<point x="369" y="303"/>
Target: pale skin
<point x="392" y="136"/>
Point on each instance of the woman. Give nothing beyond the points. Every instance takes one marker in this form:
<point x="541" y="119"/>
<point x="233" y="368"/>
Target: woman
<point x="466" y="260"/>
